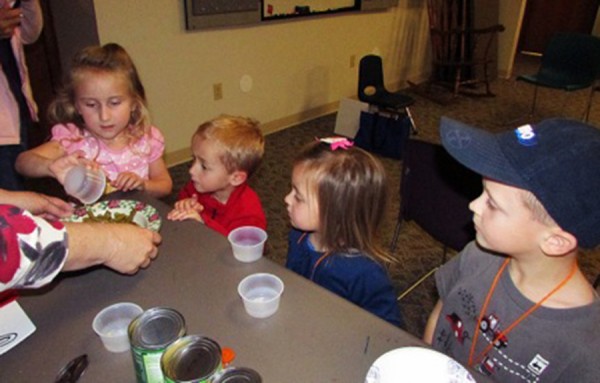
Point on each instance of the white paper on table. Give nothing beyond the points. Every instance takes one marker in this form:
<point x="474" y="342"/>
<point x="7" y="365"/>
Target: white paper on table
<point x="15" y="326"/>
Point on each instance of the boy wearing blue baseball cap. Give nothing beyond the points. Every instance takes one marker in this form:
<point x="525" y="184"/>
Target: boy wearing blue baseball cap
<point x="514" y="304"/>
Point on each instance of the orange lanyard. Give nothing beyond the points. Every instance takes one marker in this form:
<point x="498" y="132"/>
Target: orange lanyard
<point x="518" y="320"/>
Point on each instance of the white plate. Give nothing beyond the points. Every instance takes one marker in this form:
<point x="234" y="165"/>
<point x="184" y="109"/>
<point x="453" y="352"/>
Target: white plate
<point x="417" y="364"/>
<point x="146" y="216"/>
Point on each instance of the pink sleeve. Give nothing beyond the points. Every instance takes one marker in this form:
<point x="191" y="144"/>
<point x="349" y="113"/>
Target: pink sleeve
<point x="157" y="144"/>
<point x="66" y="135"/>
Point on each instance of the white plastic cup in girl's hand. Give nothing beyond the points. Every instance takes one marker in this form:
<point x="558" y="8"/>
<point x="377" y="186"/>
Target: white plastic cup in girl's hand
<point x="85" y="184"/>
<point x="247" y="243"/>
<point x="261" y="293"/>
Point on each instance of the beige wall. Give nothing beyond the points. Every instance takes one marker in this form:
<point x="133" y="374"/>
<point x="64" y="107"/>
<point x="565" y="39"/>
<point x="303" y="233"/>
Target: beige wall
<point x="299" y="69"/>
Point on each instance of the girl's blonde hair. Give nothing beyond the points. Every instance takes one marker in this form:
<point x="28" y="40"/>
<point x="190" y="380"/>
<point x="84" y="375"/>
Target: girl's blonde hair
<point x="109" y="58"/>
<point x="240" y="139"/>
<point x="350" y="188"/>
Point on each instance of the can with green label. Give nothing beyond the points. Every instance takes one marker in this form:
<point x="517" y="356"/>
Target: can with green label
<point x="149" y="334"/>
<point x="191" y="359"/>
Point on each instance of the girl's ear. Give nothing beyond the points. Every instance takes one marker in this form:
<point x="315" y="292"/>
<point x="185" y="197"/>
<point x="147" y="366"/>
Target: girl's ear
<point x="238" y="177"/>
<point x="559" y="243"/>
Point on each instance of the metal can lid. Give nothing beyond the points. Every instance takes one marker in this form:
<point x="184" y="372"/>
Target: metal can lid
<point x="191" y="358"/>
<point x="238" y="375"/>
<point x="156" y="328"/>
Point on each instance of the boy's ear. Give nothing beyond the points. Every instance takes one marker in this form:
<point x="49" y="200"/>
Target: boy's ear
<point x="559" y="243"/>
<point x="238" y="177"/>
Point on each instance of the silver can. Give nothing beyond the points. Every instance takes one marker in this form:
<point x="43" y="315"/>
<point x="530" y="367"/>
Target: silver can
<point x="238" y="375"/>
<point x="191" y="359"/>
<point x="149" y="334"/>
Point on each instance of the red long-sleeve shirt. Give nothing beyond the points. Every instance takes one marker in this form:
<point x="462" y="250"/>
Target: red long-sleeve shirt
<point x="243" y="208"/>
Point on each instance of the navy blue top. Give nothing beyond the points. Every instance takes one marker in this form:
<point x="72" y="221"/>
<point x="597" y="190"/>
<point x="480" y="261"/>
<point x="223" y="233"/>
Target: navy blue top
<point x="355" y="277"/>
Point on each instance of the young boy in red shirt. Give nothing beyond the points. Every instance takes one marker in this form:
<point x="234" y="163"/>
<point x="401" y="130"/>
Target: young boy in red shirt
<point x="227" y="150"/>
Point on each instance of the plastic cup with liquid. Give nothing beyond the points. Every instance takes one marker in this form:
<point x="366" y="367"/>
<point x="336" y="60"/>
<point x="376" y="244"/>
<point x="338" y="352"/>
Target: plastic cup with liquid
<point x="261" y="293"/>
<point x="85" y="184"/>
<point x="111" y="325"/>
<point x="247" y="243"/>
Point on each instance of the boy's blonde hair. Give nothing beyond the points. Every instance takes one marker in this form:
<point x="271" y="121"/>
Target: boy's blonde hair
<point x="240" y="139"/>
<point x="350" y="188"/>
<point x="538" y="211"/>
<point x="110" y="58"/>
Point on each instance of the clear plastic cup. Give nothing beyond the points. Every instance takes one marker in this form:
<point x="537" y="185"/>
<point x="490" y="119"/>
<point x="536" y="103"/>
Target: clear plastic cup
<point x="261" y="294"/>
<point x="85" y="184"/>
<point x="247" y="243"/>
<point x="111" y="325"/>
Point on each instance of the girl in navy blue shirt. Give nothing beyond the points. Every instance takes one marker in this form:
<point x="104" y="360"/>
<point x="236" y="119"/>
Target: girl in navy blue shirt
<point x="336" y="205"/>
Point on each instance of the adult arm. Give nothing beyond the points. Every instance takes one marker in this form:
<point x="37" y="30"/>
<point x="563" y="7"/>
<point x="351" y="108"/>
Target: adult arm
<point x="33" y="251"/>
<point x="36" y="203"/>
<point x="32" y="21"/>
<point x="123" y="247"/>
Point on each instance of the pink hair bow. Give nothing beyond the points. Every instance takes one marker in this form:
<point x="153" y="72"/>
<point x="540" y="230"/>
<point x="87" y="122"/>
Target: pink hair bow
<point x="338" y="142"/>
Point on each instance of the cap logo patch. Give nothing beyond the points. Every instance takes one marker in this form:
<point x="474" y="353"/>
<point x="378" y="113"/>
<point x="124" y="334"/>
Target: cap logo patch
<point x="526" y="135"/>
<point x="458" y="139"/>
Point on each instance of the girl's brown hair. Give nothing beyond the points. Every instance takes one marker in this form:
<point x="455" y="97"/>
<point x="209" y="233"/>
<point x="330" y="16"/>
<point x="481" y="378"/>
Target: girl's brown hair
<point x="109" y="58"/>
<point x="350" y="187"/>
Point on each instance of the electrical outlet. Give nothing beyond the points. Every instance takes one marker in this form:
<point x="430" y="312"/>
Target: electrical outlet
<point x="352" y="61"/>
<point x="217" y="91"/>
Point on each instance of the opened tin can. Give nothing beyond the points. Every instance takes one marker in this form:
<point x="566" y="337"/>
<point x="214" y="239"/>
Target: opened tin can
<point x="238" y="375"/>
<point x="191" y="359"/>
<point x="149" y="334"/>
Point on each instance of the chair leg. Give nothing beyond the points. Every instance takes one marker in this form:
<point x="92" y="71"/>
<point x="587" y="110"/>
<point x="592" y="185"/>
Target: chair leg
<point x="586" y="115"/>
<point x="396" y="235"/>
<point x="535" y="91"/>
<point x="413" y="126"/>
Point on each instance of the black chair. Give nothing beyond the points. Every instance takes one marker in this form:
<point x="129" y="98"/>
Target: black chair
<point x="372" y="90"/>
<point x="570" y="62"/>
<point x="435" y="192"/>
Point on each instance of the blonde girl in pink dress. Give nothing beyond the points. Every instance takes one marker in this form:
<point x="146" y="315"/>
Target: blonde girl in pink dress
<point x="102" y="120"/>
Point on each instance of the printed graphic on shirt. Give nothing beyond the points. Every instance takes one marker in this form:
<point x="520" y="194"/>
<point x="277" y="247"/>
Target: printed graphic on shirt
<point x="538" y="364"/>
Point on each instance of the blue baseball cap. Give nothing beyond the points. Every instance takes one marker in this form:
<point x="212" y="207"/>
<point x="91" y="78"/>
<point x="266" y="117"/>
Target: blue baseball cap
<point x="558" y="160"/>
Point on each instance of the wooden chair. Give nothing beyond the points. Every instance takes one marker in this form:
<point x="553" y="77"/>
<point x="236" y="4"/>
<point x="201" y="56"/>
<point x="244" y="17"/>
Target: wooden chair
<point x="461" y="54"/>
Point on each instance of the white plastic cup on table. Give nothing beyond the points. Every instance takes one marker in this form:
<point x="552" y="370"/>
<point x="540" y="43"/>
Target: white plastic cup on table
<point x="85" y="184"/>
<point x="261" y="293"/>
<point x="247" y="243"/>
<point x="111" y="325"/>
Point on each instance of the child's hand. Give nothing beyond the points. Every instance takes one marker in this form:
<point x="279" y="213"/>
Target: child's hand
<point x="128" y="181"/>
<point x="189" y="204"/>
<point x="61" y="166"/>
<point x="182" y="215"/>
<point x="188" y="208"/>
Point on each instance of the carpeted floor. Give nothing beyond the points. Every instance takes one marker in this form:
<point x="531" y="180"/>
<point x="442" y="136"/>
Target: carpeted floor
<point x="416" y="251"/>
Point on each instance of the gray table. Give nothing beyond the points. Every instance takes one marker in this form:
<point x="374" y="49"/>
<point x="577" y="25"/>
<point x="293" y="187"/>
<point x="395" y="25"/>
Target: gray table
<point x="314" y="337"/>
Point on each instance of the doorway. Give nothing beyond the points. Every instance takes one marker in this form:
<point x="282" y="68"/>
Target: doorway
<point x="543" y="18"/>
